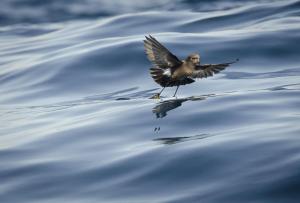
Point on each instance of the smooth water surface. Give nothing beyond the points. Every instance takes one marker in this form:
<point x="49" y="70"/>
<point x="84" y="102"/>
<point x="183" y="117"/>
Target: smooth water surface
<point x="77" y="124"/>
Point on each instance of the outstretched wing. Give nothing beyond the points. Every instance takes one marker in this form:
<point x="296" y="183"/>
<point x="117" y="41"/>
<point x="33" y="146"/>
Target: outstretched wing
<point x="206" y="70"/>
<point x="159" y="55"/>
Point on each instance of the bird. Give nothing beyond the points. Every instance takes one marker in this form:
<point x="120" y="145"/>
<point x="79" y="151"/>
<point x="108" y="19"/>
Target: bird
<point x="169" y="71"/>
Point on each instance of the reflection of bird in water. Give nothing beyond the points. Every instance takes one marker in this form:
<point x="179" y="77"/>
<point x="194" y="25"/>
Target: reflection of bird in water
<point x="163" y="107"/>
<point x="156" y="129"/>
<point x="175" y="140"/>
<point x="169" y="71"/>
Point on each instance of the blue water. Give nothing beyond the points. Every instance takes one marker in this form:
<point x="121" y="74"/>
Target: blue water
<point x="77" y="124"/>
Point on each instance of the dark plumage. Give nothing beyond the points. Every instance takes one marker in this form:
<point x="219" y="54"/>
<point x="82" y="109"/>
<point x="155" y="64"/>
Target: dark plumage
<point x="169" y="71"/>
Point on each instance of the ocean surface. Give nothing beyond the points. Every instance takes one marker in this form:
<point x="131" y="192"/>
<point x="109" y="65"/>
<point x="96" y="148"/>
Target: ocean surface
<point x="77" y="123"/>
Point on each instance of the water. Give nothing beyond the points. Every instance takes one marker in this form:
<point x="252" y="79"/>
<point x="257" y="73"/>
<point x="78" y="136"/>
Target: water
<point x="77" y="124"/>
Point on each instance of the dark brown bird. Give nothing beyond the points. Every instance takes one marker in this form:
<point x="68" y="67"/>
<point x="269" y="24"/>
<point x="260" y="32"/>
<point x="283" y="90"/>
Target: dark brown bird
<point x="169" y="71"/>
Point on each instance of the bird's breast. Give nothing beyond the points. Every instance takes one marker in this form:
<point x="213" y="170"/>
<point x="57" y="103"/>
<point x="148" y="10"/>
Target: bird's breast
<point x="182" y="72"/>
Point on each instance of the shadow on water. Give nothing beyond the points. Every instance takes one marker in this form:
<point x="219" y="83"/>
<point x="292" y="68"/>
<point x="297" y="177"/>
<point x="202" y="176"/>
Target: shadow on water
<point x="176" y="140"/>
<point x="161" y="110"/>
<point x="163" y="107"/>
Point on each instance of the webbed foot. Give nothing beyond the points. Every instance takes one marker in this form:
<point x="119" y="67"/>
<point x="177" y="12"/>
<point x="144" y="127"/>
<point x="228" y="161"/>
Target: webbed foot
<point x="156" y="96"/>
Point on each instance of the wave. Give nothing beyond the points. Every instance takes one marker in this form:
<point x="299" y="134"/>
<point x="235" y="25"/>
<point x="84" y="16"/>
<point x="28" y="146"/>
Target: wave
<point x="82" y="58"/>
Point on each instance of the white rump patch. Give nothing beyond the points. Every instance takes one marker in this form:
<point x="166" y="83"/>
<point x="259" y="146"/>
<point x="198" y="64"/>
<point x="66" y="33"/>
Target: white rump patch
<point x="167" y="72"/>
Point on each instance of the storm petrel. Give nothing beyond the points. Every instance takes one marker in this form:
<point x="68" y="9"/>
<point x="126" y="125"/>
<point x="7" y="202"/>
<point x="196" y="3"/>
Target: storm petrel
<point x="169" y="71"/>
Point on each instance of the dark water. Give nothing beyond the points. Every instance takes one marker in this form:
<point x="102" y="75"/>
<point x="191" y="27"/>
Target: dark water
<point x="77" y="124"/>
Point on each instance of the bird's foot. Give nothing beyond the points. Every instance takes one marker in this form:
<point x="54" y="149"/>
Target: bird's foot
<point x="156" y="96"/>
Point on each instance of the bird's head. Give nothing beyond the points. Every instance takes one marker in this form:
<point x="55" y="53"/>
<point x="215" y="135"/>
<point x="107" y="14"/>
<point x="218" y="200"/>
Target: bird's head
<point x="194" y="59"/>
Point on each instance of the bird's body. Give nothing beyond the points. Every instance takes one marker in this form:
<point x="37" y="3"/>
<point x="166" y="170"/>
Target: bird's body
<point x="183" y="71"/>
<point x="169" y="71"/>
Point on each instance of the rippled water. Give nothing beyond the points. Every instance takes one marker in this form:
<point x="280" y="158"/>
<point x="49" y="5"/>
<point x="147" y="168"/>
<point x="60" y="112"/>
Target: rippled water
<point x="77" y="124"/>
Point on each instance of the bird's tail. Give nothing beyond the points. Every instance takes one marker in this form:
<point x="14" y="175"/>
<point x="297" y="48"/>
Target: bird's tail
<point x="158" y="76"/>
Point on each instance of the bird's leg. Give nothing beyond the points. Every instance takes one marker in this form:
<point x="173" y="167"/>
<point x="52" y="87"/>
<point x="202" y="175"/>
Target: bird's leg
<point x="176" y="91"/>
<point x="161" y="91"/>
<point x="157" y="96"/>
